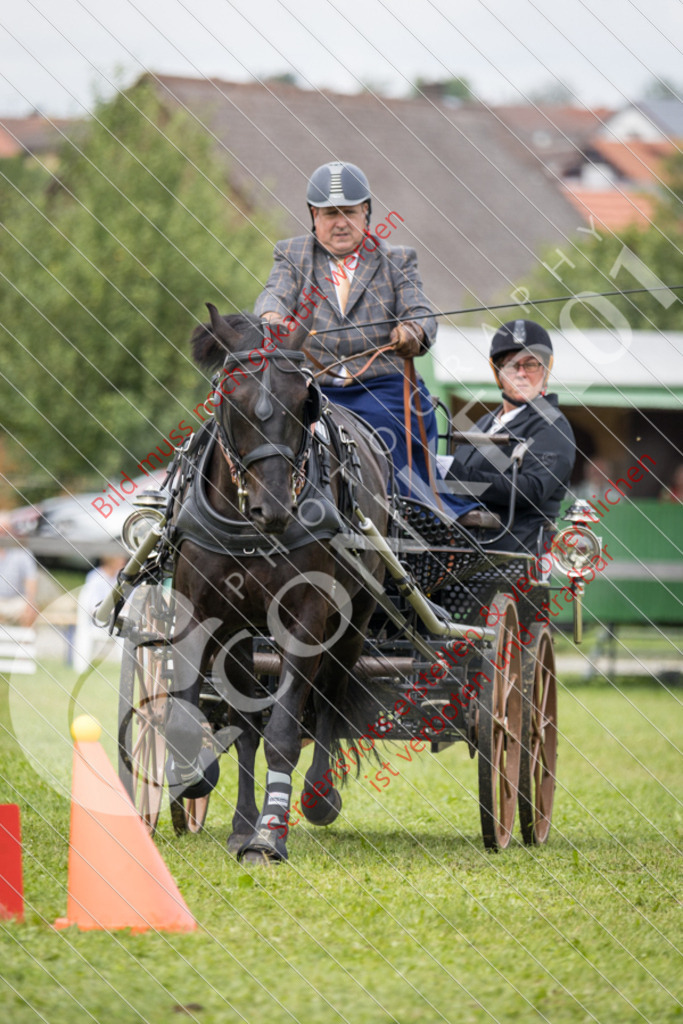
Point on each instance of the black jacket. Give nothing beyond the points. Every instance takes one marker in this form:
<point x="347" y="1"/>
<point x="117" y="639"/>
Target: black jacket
<point x="543" y="477"/>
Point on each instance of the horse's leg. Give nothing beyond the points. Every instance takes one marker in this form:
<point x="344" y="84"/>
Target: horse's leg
<point x="321" y="802"/>
<point x="192" y="769"/>
<point x="234" y="680"/>
<point x="320" y="793"/>
<point x="246" y="812"/>
<point x="282" y="741"/>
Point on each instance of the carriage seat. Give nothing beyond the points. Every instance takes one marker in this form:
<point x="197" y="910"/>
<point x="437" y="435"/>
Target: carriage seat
<point x="482" y="519"/>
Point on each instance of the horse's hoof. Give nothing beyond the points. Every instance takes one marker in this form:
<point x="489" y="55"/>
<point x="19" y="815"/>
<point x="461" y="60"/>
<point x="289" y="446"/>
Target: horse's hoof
<point x="194" y="779"/>
<point x="326" y="809"/>
<point x="259" y="859"/>
<point x="236" y="841"/>
<point x="263" y="846"/>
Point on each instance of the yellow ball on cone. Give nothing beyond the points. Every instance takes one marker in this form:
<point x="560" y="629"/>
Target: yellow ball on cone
<point x="85" y="729"/>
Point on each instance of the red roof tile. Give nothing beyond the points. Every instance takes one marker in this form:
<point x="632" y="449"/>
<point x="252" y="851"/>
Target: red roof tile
<point x="612" y="208"/>
<point x="637" y="161"/>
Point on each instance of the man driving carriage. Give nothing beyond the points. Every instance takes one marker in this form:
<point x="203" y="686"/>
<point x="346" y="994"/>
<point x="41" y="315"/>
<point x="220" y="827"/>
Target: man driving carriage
<point x="521" y="357"/>
<point x="342" y="275"/>
<point x="242" y="482"/>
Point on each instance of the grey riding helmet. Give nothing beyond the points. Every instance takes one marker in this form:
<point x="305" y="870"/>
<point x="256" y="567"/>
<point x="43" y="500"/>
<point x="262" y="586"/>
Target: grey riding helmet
<point x="519" y="336"/>
<point x="338" y="184"/>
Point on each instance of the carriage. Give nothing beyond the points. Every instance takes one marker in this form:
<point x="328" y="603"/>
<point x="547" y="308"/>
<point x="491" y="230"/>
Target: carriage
<point x="456" y="645"/>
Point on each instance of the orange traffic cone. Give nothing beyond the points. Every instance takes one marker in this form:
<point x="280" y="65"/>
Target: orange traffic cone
<point x="117" y="878"/>
<point x="11" y="890"/>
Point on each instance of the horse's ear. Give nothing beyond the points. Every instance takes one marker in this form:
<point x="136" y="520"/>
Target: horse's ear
<point x="211" y="342"/>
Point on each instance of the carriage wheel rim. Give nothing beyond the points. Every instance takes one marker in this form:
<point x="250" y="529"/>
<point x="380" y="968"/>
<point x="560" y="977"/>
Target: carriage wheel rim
<point x="149" y="750"/>
<point x="536" y="802"/>
<point x="545" y="786"/>
<point x="142" y="743"/>
<point x="501" y="737"/>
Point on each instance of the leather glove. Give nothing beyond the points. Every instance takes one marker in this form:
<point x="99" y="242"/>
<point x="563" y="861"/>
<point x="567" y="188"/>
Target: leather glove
<point x="407" y="339"/>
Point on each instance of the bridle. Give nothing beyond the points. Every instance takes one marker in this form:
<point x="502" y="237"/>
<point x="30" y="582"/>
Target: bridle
<point x="263" y="410"/>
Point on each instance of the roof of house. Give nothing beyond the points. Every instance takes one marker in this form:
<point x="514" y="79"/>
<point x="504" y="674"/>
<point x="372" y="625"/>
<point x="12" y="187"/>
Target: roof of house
<point x="33" y="134"/>
<point x="647" y="119"/>
<point x="666" y="114"/>
<point x="636" y="161"/>
<point x="554" y="133"/>
<point x="614" y="208"/>
<point x="475" y="201"/>
<point x="8" y="144"/>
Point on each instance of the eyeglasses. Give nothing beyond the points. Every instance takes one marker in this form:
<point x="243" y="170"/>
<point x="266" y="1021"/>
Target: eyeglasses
<point x="529" y="366"/>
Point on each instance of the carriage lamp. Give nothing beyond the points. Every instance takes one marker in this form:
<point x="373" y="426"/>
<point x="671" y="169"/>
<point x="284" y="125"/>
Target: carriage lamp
<point x="581" y="512"/>
<point x="575" y="549"/>
<point x="151" y="499"/>
<point x="137" y="526"/>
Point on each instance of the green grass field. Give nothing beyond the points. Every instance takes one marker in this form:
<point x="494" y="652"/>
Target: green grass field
<point x="393" y="914"/>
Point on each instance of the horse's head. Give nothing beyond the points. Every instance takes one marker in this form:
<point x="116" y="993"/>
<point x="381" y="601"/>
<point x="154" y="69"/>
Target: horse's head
<point x="264" y="403"/>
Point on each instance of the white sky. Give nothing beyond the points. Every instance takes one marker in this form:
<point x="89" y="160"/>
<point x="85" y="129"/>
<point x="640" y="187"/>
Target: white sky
<point x="56" y="54"/>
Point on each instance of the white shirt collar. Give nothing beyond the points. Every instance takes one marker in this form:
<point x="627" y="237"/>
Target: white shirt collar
<point x="503" y="418"/>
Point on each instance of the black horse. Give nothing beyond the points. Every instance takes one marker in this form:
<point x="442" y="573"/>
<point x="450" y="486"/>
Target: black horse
<point x="274" y="573"/>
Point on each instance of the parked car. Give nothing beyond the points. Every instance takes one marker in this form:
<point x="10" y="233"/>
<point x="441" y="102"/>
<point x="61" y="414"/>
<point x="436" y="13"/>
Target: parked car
<point x="68" y="531"/>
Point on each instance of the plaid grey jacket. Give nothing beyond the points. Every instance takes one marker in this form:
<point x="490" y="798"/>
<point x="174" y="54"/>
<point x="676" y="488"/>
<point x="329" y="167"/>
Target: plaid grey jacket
<point x="386" y="283"/>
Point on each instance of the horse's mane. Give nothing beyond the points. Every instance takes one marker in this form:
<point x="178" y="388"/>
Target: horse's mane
<point x="211" y="342"/>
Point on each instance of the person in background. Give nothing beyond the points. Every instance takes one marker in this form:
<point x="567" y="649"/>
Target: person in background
<point x="98" y="583"/>
<point x="596" y="479"/>
<point x="18" y="581"/>
<point x="521" y="357"/>
<point x="674" y="493"/>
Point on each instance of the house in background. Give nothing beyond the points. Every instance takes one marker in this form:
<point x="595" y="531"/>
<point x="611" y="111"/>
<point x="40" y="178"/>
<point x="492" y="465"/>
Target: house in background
<point x="646" y="121"/>
<point x="554" y="134"/>
<point x="479" y="191"/>
<point x="34" y="137"/>
<point x="473" y="199"/>
<point x="617" y="182"/>
<point x="608" y="163"/>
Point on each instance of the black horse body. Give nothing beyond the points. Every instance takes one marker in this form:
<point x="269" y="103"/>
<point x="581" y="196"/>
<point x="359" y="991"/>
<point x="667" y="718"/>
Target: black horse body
<point x="306" y="597"/>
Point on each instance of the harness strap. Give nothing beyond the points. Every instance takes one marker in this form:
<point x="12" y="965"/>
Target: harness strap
<point x="411" y="393"/>
<point x="264" y="451"/>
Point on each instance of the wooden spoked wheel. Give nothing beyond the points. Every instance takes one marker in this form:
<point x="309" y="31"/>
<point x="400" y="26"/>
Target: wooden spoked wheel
<point x="190" y="815"/>
<point x="146" y="675"/>
<point x="538" y="760"/>
<point x="499" y="729"/>
<point x="143" y="703"/>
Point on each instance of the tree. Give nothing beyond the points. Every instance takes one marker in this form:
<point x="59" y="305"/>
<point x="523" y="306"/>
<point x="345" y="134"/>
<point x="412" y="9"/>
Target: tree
<point x="663" y="89"/>
<point x="553" y="93"/>
<point x="454" y="88"/>
<point x="103" y="276"/>
<point x="283" y="78"/>
<point x="607" y="261"/>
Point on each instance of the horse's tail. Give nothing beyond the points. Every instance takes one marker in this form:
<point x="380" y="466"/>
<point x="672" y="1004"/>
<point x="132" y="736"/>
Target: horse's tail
<point x="357" y="724"/>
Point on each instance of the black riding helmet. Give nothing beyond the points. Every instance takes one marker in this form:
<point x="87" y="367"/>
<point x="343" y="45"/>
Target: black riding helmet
<point x="520" y="336"/>
<point x="338" y="184"/>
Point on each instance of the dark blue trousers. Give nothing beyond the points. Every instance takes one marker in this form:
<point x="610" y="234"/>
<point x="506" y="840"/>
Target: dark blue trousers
<point x="380" y="401"/>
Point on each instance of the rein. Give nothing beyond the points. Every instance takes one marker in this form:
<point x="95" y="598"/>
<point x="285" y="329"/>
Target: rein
<point x="347" y="359"/>
<point x="411" y="395"/>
